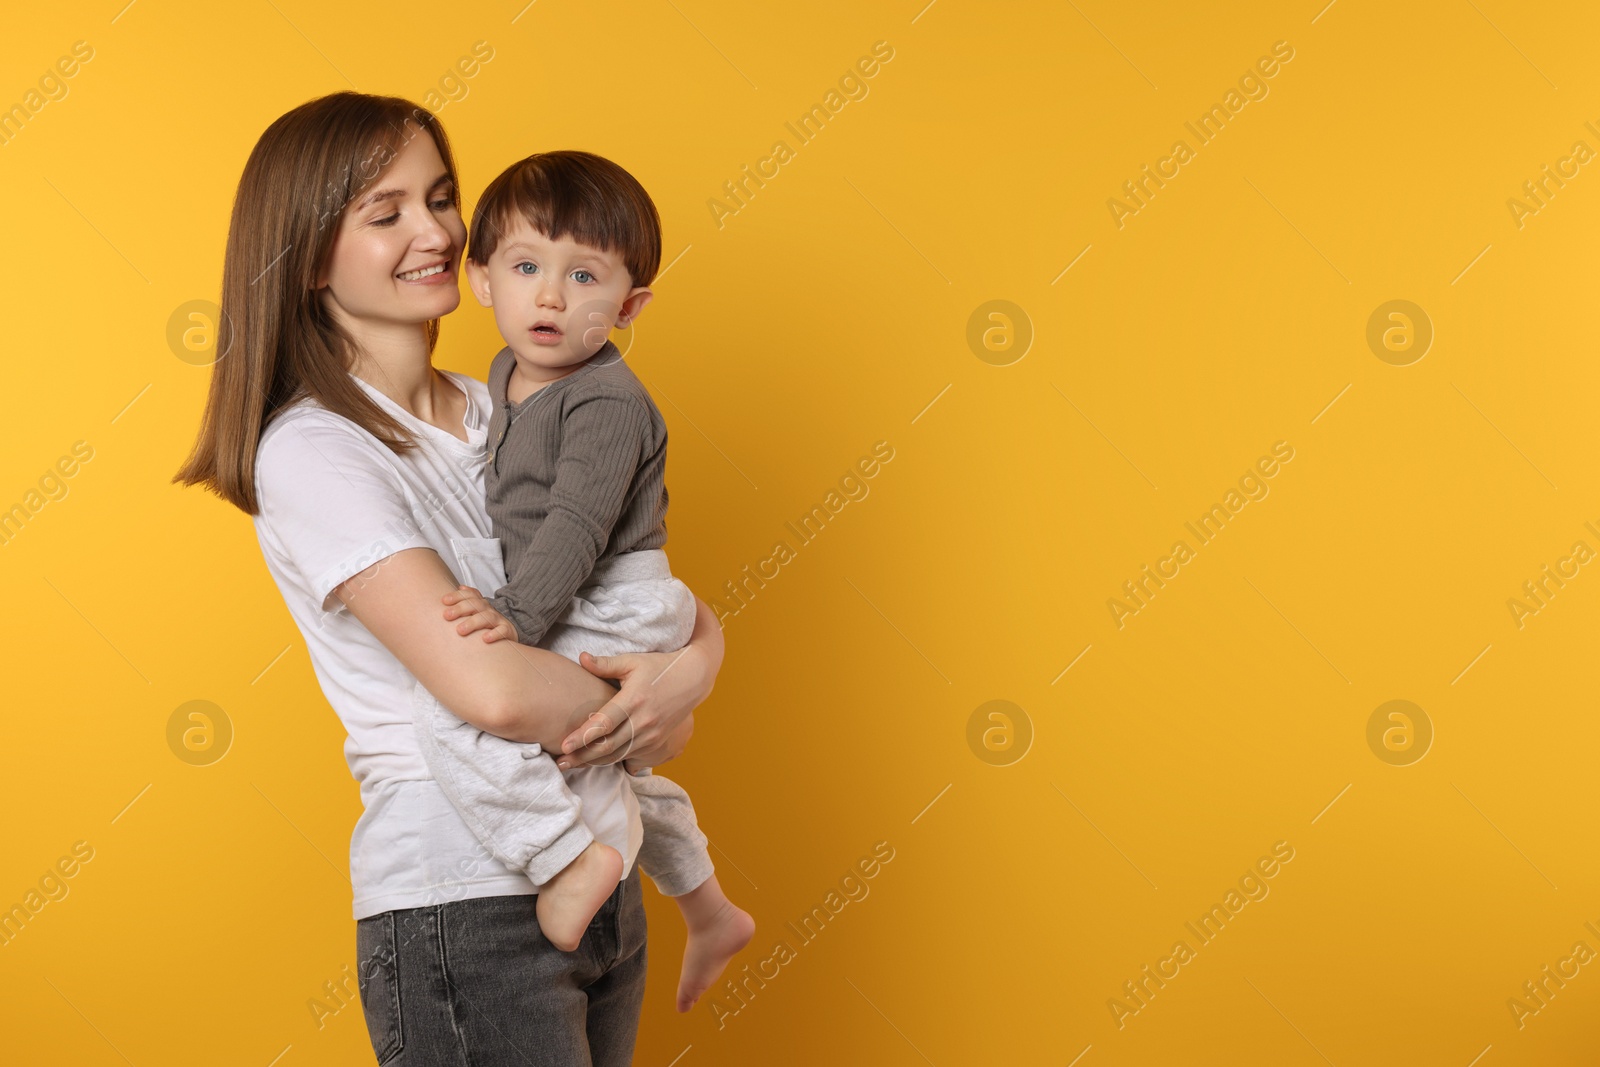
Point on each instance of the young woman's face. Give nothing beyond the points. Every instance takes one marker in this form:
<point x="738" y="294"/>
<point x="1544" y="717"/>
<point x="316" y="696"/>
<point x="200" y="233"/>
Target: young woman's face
<point x="395" y="256"/>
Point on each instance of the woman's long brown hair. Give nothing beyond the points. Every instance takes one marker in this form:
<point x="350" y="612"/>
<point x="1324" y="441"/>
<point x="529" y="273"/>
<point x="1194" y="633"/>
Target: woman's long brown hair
<point x="277" y="342"/>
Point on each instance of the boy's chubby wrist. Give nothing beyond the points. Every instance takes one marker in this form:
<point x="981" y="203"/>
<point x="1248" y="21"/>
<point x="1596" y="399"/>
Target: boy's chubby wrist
<point x="507" y="612"/>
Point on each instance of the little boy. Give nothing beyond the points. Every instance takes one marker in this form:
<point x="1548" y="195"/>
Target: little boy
<point x="563" y="247"/>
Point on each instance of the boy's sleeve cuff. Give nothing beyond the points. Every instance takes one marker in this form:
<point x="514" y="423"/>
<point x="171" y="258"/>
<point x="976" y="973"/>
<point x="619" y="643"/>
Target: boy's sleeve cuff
<point x="530" y="630"/>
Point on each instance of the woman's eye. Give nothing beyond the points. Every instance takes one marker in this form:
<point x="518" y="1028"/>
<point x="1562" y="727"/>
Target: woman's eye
<point x="586" y="275"/>
<point x="388" y="221"/>
<point x="442" y="205"/>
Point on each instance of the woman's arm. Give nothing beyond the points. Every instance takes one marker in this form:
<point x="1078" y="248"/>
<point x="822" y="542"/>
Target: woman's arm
<point x="646" y="721"/>
<point x="514" y="691"/>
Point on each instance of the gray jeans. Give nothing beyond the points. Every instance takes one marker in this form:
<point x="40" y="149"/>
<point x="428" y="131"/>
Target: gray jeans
<point x="474" y="983"/>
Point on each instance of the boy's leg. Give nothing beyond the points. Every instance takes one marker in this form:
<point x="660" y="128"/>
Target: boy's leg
<point x="515" y="800"/>
<point x="643" y="610"/>
<point x="511" y="795"/>
<point x="634" y="605"/>
<point x="674" y="852"/>
<point x="674" y="856"/>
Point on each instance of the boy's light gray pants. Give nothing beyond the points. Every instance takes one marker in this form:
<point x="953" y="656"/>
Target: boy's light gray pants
<point x="514" y="797"/>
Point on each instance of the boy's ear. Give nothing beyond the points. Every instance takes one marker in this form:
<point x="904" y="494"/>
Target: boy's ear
<point x="478" y="279"/>
<point x="632" y="305"/>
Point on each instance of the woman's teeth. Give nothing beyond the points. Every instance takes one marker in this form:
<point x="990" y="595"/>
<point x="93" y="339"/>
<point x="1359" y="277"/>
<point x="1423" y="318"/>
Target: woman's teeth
<point x="426" y="272"/>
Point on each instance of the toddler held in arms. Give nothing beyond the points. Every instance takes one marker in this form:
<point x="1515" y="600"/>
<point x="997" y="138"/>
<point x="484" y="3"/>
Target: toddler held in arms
<point x="563" y="247"/>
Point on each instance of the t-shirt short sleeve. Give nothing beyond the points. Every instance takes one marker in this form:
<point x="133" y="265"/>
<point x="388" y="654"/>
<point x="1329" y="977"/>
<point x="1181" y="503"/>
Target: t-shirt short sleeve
<point x="331" y="496"/>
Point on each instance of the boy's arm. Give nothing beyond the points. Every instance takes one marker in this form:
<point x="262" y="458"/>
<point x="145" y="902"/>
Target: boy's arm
<point x="603" y="438"/>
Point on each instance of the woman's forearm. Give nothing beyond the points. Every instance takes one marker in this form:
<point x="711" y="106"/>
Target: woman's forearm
<point x="515" y="691"/>
<point x="660" y="691"/>
<point x="538" y="695"/>
<point x="555" y="695"/>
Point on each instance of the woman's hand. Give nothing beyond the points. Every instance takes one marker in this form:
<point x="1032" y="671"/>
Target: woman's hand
<point x="659" y="690"/>
<point x="645" y="722"/>
<point x="672" y="747"/>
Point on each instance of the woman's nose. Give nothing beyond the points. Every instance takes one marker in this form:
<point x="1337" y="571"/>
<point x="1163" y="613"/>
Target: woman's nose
<point x="434" y="236"/>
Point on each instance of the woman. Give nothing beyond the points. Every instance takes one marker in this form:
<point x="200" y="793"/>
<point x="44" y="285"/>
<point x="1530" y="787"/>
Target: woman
<point x="363" y="468"/>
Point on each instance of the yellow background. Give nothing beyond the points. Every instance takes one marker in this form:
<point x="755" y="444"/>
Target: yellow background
<point x="829" y="313"/>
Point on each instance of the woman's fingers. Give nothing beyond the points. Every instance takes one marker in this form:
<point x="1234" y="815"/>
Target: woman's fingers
<point x="599" y="742"/>
<point x="631" y="724"/>
<point x="602" y="666"/>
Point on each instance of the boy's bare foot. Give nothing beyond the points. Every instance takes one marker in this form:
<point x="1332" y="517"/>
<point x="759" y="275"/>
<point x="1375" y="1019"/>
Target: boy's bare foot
<point x="568" y="901"/>
<point x="718" y="929"/>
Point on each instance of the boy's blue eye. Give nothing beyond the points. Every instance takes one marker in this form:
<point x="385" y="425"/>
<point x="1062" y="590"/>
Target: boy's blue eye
<point x="584" y="273"/>
<point x="519" y="266"/>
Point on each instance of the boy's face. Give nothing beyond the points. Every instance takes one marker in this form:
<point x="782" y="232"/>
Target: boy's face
<point x="555" y="302"/>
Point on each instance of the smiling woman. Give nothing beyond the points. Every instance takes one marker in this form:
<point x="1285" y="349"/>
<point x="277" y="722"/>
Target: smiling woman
<point x="421" y="256"/>
<point x="362" y="466"/>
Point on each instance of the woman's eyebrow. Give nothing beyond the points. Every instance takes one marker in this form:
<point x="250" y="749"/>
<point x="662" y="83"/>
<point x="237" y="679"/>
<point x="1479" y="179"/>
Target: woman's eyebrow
<point x="390" y="194"/>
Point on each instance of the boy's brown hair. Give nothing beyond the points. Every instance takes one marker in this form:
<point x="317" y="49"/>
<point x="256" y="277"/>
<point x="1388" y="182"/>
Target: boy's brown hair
<point x="572" y="193"/>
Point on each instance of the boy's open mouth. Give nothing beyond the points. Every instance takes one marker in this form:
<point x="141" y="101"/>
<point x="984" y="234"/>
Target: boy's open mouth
<point x="545" y="327"/>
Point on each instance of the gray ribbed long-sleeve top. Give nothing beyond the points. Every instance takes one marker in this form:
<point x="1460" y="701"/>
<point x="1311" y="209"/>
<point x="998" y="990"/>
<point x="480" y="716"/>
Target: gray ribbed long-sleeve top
<point x="576" y="474"/>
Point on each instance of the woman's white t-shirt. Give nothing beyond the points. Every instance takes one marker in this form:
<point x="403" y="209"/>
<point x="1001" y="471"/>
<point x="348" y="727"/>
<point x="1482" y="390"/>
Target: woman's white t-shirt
<point x="334" y="501"/>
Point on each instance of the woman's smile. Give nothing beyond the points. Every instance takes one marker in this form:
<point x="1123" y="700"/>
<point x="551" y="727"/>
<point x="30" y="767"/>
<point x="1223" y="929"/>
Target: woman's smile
<point x="433" y="274"/>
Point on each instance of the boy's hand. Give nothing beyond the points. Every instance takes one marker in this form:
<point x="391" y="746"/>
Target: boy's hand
<point x="476" y="613"/>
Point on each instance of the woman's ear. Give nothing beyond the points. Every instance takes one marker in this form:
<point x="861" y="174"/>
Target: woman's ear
<point x="478" y="281"/>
